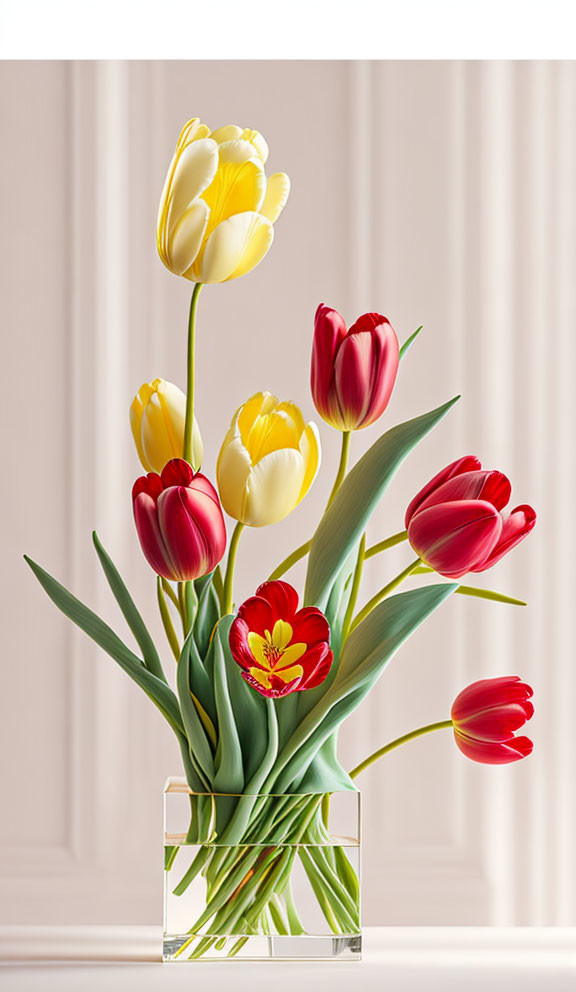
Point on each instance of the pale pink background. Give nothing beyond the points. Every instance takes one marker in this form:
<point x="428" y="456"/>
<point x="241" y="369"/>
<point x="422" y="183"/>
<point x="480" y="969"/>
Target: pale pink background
<point x="438" y="193"/>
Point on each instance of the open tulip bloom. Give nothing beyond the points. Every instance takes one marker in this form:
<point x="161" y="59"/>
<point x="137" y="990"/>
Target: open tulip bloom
<point x="259" y="689"/>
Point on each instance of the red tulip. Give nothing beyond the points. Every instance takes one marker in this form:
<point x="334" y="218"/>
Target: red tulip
<point x="486" y="716"/>
<point x="280" y="648"/>
<point x="353" y="371"/>
<point x="456" y="524"/>
<point x="179" y="521"/>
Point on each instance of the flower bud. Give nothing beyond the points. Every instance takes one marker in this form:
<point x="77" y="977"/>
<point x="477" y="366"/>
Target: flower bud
<point x="157" y="419"/>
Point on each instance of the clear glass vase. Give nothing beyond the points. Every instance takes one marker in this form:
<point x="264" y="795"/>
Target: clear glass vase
<point x="261" y="877"/>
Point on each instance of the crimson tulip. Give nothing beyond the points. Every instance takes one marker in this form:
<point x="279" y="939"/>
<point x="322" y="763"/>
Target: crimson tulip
<point x="280" y="648"/>
<point x="486" y="716"/>
<point x="456" y="523"/>
<point x="179" y="521"/>
<point x="353" y="371"/>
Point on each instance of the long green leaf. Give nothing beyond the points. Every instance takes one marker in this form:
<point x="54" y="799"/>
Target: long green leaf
<point x="249" y="707"/>
<point x="409" y="342"/>
<point x="130" y="610"/>
<point x="346" y="518"/>
<point x="199" y="746"/>
<point x="104" y="636"/>
<point x="367" y="651"/>
<point x="229" y="766"/>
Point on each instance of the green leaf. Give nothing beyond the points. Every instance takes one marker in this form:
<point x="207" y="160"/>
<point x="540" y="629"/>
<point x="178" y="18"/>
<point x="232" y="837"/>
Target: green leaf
<point x="496" y="597"/>
<point x="130" y="610"/>
<point x="346" y="518"/>
<point x="366" y="653"/>
<point x="157" y="690"/>
<point x="249" y="707"/>
<point x="206" y="616"/>
<point x="229" y="766"/>
<point x="409" y="342"/>
<point x="199" y="746"/>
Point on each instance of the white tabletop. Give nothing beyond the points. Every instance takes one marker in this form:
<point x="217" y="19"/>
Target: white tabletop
<point x="396" y="959"/>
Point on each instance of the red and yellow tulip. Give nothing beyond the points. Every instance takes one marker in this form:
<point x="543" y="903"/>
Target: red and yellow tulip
<point x="280" y="648"/>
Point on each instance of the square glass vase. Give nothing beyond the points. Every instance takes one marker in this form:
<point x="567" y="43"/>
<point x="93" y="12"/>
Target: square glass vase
<point x="261" y="877"/>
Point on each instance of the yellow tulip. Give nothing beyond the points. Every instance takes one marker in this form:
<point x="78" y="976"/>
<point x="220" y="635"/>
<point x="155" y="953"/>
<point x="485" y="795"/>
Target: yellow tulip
<point x="268" y="461"/>
<point x="157" y="417"/>
<point x="217" y="210"/>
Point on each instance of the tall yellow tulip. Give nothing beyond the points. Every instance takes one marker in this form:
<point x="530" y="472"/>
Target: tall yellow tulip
<point x="217" y="210"/>
<point x="268" y="461"/>
<point x="157" y="418"/>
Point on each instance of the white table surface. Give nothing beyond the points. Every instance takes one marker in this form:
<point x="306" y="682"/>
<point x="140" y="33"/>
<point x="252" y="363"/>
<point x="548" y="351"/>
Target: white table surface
<point x="396" y="959"/>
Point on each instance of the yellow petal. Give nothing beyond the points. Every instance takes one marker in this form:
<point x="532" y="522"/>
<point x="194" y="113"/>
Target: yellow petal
<point x="259" y="647"/>
<point x="261" y="677"/>
<point x="239" y="184"/>
<point x="311" y="453"/>
<point x="289" y="674"/>
<point x="230" y="132"/>
<point x="257" y="140"/>
<point x="157" y="417"/>
<point x="233" y="248"/>
<point x="258" y="404"/>
<point x="186" y="241"/>
<point x="232" y="474"/>
<point x="282" y="634"/>
<point x="277" y="191"/>
<point x="273" y="487"/>
<point x="195" y="170"/>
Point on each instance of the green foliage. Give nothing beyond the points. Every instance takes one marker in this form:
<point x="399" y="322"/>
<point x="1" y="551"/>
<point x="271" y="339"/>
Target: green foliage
<point x="346" y="518"/>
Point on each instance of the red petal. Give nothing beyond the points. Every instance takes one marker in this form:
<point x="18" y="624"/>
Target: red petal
<point x="151" y="540"/>
<point x="468" y="463"/>
<point x="281" y="596"/>
<point x="310" y="627"/>
<point x="484" y="693"/>
<point x="329" y="331"/>
<point x="354" y="373"/>
<point x="368" y="322"/>
<point x="385" y="369"/>
<point x="453" y="538"/>
<point x="492" y="487"/>
<point x="150" y="484"/>
<point x="238" y="640"/>
<point x="193" y="530"/>
<point x="497" y="723"/>
<point x="177" y="472"/>
<point x="493" y="753"/>
<point x="258" y="614"/>
<point x="516" y="526"/>
<point x="316" y="664"/>
<point x="203" y="485"/>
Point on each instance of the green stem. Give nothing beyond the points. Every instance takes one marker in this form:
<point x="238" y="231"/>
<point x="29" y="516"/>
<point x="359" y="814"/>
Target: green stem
<point x="167" y="620"/>
<point x="290" y="560"/>
<point x="189" y="425"/>
<point x="441" y="725"/>
<point x="390" y="542"/>
<point x="170" y="593"/>
<point x="218" y="584"/>
<point x="384" y="592"/>
<point x="354" y="591"/>
<point x="229" y="579"/>
<point x="346" y="436"/>
<point x="182" y="606"/>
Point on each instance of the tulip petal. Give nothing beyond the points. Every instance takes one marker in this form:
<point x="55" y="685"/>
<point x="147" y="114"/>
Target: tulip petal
<point x="492" y="753"/>
<point x="186" y="239"/>
<point x="311" y="626"/>
<point x="273" y="487"/>
<point x="312" y="455"/>
<point x="277" y="192"/>
<point x="483" y="693"/>
<point x="490" y="486"/>
<point x="195" y="170"/>
<point x="193" y="530"/>
<point x="516" y="526"/>
<point x="281" y="596"/>
<point x="234" y="247"/>
<point x="469" y="463"/>
<point x="353" y="375"/>
<point x="151" y="539"/>
<point x="329" y="332"/>
<point x="233" y="473"/>
<point x="452" y="538"/>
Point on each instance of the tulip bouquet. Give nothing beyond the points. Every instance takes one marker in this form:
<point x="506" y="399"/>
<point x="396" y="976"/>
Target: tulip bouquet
<point x="259" y="689"/>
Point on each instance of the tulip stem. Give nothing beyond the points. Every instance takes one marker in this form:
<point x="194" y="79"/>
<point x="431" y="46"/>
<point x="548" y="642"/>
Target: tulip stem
<point x="345" y="451"/>
<point x="229" y="578"/>
<point x="354" y="591"/>
<point x="290" y="560"/>
<point x="390" y="542"/>
<point x="167" y="620"/>
<point x="441" y="725"/>
<point x="189" y="426"/>
<point x="385" y="592"/>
